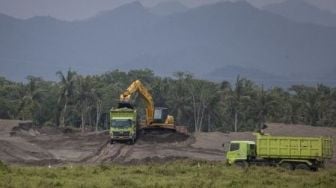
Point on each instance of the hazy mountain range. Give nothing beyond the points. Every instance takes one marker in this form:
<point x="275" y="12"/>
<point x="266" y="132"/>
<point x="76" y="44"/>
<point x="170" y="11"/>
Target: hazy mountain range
<point x="207" y="41"/>
<point x="301" y="11"/>
<point x="168" y="7"/>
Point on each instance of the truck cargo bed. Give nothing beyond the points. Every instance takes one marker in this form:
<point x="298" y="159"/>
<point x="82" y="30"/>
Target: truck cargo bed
<point x="317" y="148"/>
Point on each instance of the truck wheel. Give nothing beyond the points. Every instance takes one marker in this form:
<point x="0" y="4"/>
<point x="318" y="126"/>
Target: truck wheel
<point x="288" y="166"/>
<point x="314" y="169"/>
<point x="132" y="141"/>
<point x="142" y="132"/>
<point x="302" y="166"/>
<point x="241" y="164"/>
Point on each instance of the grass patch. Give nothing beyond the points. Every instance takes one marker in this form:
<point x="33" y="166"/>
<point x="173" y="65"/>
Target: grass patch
<point x="173" y="174"/>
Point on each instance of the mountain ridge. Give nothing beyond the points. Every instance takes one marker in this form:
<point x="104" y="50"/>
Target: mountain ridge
<point x="168" y="7"/>
<point x="301" y="11"/>
<point x="200" y="40"/>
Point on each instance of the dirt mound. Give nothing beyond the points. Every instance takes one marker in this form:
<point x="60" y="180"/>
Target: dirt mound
<point x="47" y="144"/>
<point x="137" y="153"/>
<point x="215" y="140"/>
<point x="58" y="130"/>
<point x="162" y="138"/>
<point x="7" y="126"/>
<point x="24" y="129"/>
<point x="18" y="151"/>
<point x="299" y="130"/>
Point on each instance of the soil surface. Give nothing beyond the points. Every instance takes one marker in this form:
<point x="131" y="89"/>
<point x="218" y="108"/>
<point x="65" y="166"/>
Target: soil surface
<point x="21" y="143"/>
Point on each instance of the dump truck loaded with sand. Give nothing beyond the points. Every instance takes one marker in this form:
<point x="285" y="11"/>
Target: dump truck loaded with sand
<point x="289" y="152"/>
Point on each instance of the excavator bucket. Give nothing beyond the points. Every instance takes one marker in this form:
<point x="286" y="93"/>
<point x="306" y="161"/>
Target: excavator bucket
<point x="125" y="105"/>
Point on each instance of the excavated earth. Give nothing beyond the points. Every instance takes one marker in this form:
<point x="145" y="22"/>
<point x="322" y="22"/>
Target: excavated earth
<point x="21" y="143"/>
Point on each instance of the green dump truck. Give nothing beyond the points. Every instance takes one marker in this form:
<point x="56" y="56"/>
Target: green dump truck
<point x="123" y="125"/>
<point x="289" y="152"/>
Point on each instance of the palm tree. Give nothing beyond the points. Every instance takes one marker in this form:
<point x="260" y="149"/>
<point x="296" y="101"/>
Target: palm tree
<point x="226" y="107"/>
<point x="309" y="103"/>
<point x="236" y="97"/>
<point x="331" y="112"/>
<point x="312" y="105"/>
<point x="67" y="87"/>
<point x="325" y="104"/>
<point x="98" y="109"/>
<point x="97" y="98"/>
<point x="178" y="98"/>
<point x="264" y="104"/>
<point x="30" y="102"/>
<point x="88" y="100"/>
<point x="201" y="96"/>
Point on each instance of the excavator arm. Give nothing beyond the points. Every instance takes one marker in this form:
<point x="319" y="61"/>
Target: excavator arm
<point x="137" y="86"/>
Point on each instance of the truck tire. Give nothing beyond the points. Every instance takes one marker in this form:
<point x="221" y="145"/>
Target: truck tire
<point x="287" y="165"/>
<point x="302" y="166"/>
<point x="241" y="164"/>
<point x="132" y="141"/>
<point x="314" y="168"/>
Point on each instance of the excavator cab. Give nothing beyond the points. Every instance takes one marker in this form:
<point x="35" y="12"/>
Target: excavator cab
<point x="162" y="120"/>
<point x="160" y="114"/>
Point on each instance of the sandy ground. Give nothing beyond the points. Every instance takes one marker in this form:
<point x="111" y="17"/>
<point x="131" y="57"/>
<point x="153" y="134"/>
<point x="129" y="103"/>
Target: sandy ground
<point x="22" y="144"/>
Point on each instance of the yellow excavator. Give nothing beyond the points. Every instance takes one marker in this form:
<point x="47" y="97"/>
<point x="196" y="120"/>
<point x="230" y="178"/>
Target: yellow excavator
<point x="156" y="117"/>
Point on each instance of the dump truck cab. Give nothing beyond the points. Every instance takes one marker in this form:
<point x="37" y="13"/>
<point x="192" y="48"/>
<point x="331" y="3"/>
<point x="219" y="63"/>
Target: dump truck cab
<point x="241" y="151"/>
<point x="123" y="125"/>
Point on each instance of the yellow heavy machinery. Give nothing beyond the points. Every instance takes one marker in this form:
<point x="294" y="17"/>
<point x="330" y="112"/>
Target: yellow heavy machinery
<point x="156" y="117"/>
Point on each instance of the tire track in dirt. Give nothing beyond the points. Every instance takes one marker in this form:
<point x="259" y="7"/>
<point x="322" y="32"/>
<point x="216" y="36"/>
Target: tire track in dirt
<point x="107" y="153"/>
<point x="138" y="153"/>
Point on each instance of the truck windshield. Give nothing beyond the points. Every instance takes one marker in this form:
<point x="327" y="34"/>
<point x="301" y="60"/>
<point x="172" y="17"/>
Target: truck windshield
<point x="121" y="123"/>
<point x="234" y="146"/>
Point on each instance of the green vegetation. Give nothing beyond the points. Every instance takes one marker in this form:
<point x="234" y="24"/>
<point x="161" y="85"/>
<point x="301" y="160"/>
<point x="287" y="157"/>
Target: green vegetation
<point x="174" y="174"/>
<point x="84" y="101"/>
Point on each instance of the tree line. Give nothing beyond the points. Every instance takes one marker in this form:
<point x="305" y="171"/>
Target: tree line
<point x="201" y="105"/>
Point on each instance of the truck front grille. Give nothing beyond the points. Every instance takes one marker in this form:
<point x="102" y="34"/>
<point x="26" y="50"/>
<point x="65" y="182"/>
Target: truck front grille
<point x="118" y="133"/>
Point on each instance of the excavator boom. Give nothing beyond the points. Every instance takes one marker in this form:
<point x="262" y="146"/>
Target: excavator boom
<point x="138" y="86"/>
<point x="155" y="117"/>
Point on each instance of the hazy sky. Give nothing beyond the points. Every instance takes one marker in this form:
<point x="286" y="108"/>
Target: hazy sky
<point x="81" y="9"/>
